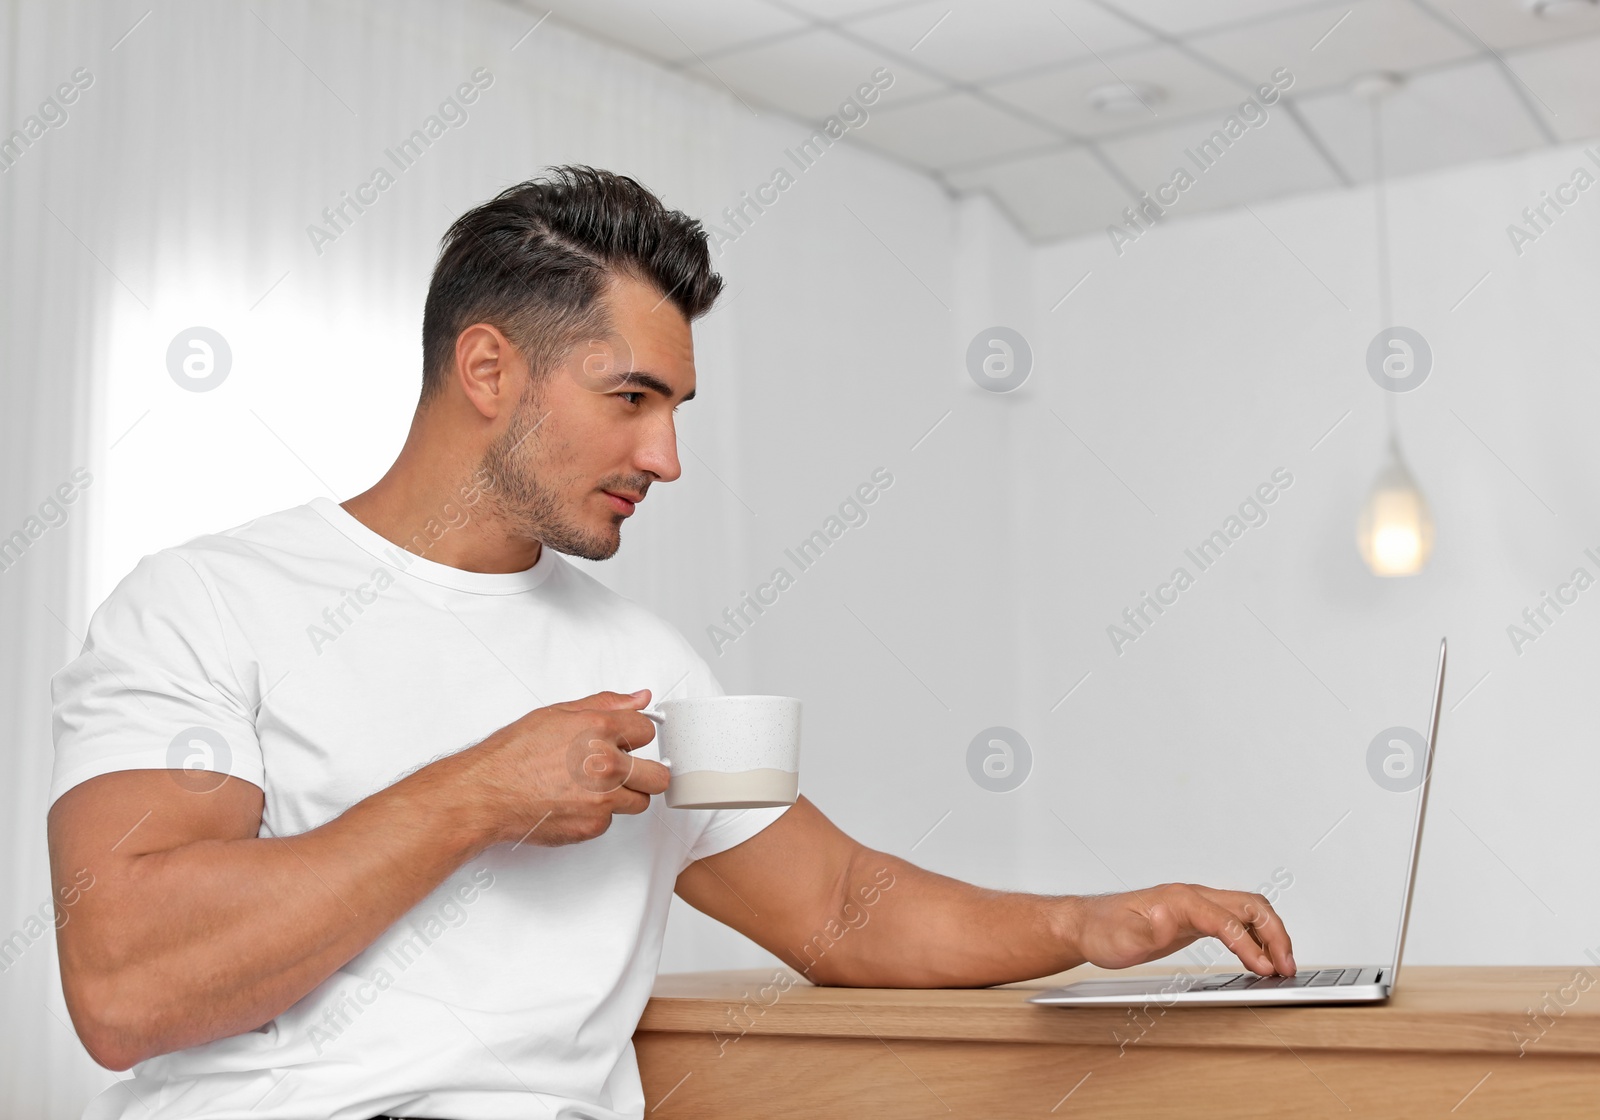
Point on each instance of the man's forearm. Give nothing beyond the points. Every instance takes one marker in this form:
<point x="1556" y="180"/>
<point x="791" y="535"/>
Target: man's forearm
<point x="217" y="937"/>
<point x="901" y="926"/>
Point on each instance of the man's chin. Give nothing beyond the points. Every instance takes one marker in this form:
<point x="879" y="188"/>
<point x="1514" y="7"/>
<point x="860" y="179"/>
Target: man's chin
<point x="601" y="547"/>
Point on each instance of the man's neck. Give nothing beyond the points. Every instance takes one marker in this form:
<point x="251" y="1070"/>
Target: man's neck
<point x="436" y="508"/>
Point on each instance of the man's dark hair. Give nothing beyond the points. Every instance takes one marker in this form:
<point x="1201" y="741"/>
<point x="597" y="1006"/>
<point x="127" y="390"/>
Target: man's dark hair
<point x="534" y="260"/>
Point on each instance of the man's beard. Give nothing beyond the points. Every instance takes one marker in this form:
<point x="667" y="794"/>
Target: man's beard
<point x="526" y="505"/>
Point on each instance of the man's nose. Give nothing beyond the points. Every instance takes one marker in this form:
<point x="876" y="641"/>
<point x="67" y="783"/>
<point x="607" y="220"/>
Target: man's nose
<point x="659" y="455"/>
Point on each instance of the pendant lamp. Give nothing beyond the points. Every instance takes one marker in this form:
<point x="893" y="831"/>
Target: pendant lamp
<point x="1395" y="530"/>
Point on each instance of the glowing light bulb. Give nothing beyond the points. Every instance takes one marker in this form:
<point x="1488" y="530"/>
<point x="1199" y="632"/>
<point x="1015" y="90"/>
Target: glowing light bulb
<point x="1395" y="533"/>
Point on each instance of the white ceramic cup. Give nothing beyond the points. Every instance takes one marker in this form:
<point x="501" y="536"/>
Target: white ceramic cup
<point x="730" y="752"/>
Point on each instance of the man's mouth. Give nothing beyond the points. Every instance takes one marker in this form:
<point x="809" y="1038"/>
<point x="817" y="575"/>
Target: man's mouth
<point x="623" y="503"/>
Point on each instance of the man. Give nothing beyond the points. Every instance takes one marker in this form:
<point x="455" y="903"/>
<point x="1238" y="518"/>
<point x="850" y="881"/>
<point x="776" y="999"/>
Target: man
<point x="371" y="827"/>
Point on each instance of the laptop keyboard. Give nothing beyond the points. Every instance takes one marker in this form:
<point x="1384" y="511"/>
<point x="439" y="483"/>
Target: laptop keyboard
<point x="1243" y="981"/>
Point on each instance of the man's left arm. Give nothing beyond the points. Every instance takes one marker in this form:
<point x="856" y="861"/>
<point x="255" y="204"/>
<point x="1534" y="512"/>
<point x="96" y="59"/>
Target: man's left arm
<point x="845" y="915"/>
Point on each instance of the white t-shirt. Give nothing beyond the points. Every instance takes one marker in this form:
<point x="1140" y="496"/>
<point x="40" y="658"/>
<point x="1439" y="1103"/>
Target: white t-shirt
<point x="308" y="655"/>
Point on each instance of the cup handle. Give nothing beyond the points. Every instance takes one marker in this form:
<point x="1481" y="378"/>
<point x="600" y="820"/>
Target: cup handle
<point x="660" y="721"/>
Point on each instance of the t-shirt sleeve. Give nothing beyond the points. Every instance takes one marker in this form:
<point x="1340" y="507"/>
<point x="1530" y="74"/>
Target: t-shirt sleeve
<point x="724" y="828"/>
<point x="153" y="688"/>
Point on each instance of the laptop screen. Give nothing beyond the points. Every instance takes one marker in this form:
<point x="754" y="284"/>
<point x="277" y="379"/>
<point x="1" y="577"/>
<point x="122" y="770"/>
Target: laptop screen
<point x="1426" y="763"/>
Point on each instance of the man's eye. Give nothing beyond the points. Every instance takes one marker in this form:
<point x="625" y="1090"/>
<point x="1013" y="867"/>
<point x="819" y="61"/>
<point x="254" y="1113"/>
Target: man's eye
<point x="640" y="393"/>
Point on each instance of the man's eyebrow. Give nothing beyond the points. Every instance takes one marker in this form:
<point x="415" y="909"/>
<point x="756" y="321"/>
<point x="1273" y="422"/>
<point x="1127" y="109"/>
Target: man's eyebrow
<point x="651" y="381"/>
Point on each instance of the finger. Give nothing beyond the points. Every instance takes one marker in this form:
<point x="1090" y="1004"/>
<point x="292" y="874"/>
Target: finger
<point x="1263" y="924"/>
<point x="646" y="775"/>
<point x="597" y="765"/>
<point x="1268" y="929"/>
<point x="1225" y="926"/>
<point x="606" y="701"/>
<point x="628" y="729"/>
<point x="630" y="802"/>
<point x="633" y="730"/>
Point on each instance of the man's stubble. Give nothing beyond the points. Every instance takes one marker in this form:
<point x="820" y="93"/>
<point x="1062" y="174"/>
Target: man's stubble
<point x="525" y="489"/>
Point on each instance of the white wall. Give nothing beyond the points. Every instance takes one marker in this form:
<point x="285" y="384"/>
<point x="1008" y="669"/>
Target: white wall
<point x="1228" y="745"/>
<point x="1219" y="745"/>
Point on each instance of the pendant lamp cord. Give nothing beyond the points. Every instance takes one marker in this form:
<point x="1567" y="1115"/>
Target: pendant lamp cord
<point x="1382" y="224"/>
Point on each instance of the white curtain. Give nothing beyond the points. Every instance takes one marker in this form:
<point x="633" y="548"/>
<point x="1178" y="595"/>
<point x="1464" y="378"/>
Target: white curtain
<point x="205" y="139"/>
<point x="53" y="295"/>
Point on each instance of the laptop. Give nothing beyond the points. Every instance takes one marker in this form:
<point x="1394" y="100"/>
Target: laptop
<point x="1350" y="984"/>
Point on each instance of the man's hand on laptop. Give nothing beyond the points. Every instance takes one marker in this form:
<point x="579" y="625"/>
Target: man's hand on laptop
<point x="1120" y="930"/>
<point x="557" y="775"/>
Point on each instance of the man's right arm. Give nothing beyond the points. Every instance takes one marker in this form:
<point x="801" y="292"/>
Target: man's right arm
<point x="197" y="929"/>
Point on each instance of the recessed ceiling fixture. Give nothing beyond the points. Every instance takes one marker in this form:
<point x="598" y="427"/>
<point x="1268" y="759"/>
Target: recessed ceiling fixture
<point x="1126" y="97"/>
<point x="1556" y="9"/>
<point x="1375" y="87"/>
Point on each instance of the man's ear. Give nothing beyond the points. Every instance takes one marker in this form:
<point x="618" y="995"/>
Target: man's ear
<point x="490" y="370"/>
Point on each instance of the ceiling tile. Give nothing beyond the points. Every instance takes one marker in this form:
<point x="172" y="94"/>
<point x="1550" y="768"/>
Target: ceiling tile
<point x="1049" y="196"/>
<point x="1565" y="82"/>
<point x="1061" y="96"/>
<point x="945" y="131"/>
<point x="1457" y="105"/>
<point x="1455" y="115"/>
<point x="1264" y="162"/>
<point x="979" y="39"/>
<point x="672" y="30"/>
<point x="844" y="9"/>
<point x="812" y="73"/>
<point x="1179" y="17"/>
<point x="1321" y="51"/>
<point x="1507" y="24"/>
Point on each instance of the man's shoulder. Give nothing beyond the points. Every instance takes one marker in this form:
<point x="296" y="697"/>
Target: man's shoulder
<point x="163" y="576"/>
<point x="282" y="529"/>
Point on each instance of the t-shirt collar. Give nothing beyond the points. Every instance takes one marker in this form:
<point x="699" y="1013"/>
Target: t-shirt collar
<point x="404" y="560"/>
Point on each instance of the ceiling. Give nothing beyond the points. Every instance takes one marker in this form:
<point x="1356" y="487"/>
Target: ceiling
<point x="993" y="96"/>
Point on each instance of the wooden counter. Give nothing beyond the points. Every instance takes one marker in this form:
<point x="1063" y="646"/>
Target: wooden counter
<point x="764" y="1045"/>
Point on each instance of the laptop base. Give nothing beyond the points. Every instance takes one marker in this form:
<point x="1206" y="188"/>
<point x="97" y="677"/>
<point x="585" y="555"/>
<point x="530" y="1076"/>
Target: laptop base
<point x="1361" y="984"/>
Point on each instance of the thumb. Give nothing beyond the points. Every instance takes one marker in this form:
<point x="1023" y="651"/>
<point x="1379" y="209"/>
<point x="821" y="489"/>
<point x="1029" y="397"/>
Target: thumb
<point x="611" y="700"/>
